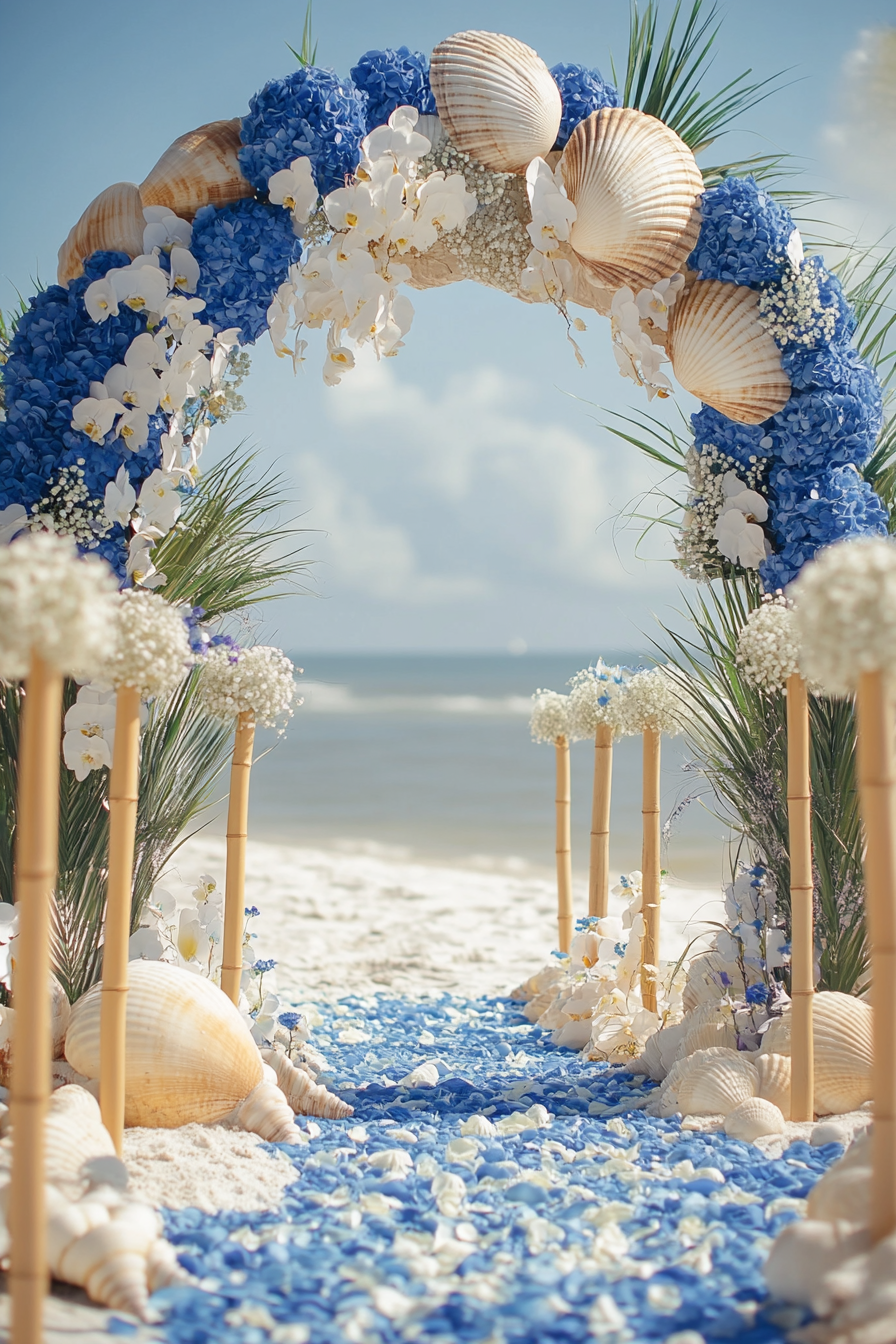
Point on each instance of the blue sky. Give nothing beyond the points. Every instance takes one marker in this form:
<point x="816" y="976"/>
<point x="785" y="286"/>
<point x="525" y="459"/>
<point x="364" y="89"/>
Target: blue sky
<point x="463" y="495"/>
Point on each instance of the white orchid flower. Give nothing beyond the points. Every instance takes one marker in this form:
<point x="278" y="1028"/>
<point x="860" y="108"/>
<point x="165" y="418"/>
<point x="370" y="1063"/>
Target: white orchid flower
<point x="445" y="201"/>
<point x="624" y="314"/>
<point x="145" y="945"/>
<point x="545" y="278"/>
<point x="656" y="302"/>
<point x="339" y="360"/>
<point x="101" y="300"/>
<point x="552" y="211"/>
<point x="294" y="188"/>
<point x="95" y="416"/>
<point x="159" y="502"/>
<point x="84" y="754"/>
<point x="196" y="336"/>
<point x="133" y="387"/>
<point x="142" y="288"/>
<point x="351" y="208"/>
<point x="172" y="447"/>
<point x="148" y="352"/>
<point x="164" y="230"/>
<point x="178" y="311"/>
<point x="399" y="138"/>
<point x="140" y="567"/>
<point x="795" y="253"/>
<point x="93" y="717"/>
<point x="184" y="270"/>
<point x="133" y="429"/>
<point x="265" y="1022"/>
<point x="739" y="540"/>
<point x="189" y="935"/>
<point x="12" y="520"/>
<point x="120" y="498"/>
<point x="173" y="391"/>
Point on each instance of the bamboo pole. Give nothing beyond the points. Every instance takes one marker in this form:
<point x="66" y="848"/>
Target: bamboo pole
<point x="599" y="867"/>
<point x="802" y="978"/>
<point x="877" y="795"/>
<point x="123" y="786"/>
<point x="235" y="880"/>
<point x="564" y="845"/>
<point x="37" y="824"/>
<point x="650" y="864"/>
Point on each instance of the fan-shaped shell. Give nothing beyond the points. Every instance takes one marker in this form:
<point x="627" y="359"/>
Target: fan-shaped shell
<point x="706" y="1034"/>
<point x="497" y="99"/>
<point x="113" y="222"/>
<point x="841" y="1034"/>
<point x="722" y="354"/>
<point x="189" y="1057"/>
<point x="842" y="1195"/>
<point x="752" y="1118"/>
<point x="635" y="186"/>
<point x="714" y="1086"/>
<point x="774" y="1080"/>
<point x="200" y="168"/>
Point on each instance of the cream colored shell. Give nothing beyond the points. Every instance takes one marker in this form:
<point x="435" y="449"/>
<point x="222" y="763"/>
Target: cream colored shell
<point x="189" y="1055"/>
<point x="635" y="186"/>
<point x="774" y="1080"/>
<point x="714" y="1086"/>
<point x="841" y="1034"/>
<point x="705" y="1034"/>
<point x="200" y="168"/>
<point x="496" y="98"/>
<point x="752" y="1118"/>
<point x="113" y="222"/>
<point x="722" y="354"/>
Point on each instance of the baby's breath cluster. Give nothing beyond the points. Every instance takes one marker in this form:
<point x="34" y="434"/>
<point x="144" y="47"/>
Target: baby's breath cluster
<point x="592" y="695"/>
<point x="651" y="700"/>
<point x="550" y="716"/>
<point x="768" y="647"/>
<point x="67" y="508"/>
<point x="151" y="647"/>
<point x="698" y="552"/>
<point x="445" y="157"/>
<point x="494" y="244"/>
<point x="845" y="612"/>
<point x="793" y="313"/>
<point x="255" y="681"/>
<point x="53" y="604"/>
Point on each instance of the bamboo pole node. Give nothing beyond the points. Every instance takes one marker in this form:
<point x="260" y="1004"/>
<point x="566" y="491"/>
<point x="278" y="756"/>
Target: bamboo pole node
<point x="563" y="845"/>
<point x="599" y="866"/>
<point x="650" y="865"/>
<point x="802" y="892"/>
<point x="237" y="835"/>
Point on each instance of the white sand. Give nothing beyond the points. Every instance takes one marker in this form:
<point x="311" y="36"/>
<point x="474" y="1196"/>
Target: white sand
<point x="361" y="923"/>
<point x="205" y="1167"/>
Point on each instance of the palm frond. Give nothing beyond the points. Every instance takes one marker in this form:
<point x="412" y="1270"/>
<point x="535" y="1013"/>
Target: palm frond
<point x="307" y="54"/>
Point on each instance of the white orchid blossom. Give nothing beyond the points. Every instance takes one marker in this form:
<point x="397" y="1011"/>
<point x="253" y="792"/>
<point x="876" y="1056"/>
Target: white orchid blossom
<point x="120" y="498"/>
<point x="637" y="356"/>
<point x="133" y="387"/>
<point x="552" y="211"/>
<point x="133" y="429"/>
<point x="101" y="300"/>
<point x="141" y="287"/>
<point x="184" y="270"/>
<point x="158" y="504"/>
<point x="400" y="138"/>
<point x="164" y="229"/>
<point x="295" y="189"/>
<point x="139" y="566"/>
<point x="149" y="352"/>
<point x="95" y="416"/>
<point x="737" y="532"/>
<point x="83" y="755"/>
<point x="89" y="731"/>
<point x="654" y="303"/>
<point x="178" y="311"/>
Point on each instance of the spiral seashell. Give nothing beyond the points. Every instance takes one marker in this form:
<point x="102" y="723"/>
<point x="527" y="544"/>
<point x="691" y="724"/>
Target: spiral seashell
<point x="200" y="168"/>
<point x="190" y="1057"/>
<point x="722" y="354"/>
<point x="266" y="1111"/>
<point x="716" y="1085"/>
<point x="841" y="1034"/>
<point x="74" y="1133"/>
<point x="304" y="1095"/>
<point x="635" y="185"/>
<point x="496" y="98"/>
<point x="774" y="1080"/>
<point x="752" y="1118"/>
<point x="113" y="222"/>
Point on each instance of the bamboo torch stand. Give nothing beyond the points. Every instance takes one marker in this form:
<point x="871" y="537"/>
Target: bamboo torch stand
<point x="123" y="785"/>
<point x="877" y="794"/>
<point x="599" y="867"/>
<point x="235" y="879"/>
<point x="650" y="866"/>
<point x="799" y="819"/>
<point x="36" y="850"/>
<point x="564" y="846"/>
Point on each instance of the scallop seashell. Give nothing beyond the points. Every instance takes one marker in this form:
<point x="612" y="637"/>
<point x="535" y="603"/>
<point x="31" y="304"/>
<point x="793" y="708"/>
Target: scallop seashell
<point x="774" y="1080"/>
<point x="635" y="185"/>
<point x="304" y="1095"/>
<point x="842" y="1195"/>
<point x="841" y="1034"/>
<point x="200" y="168"/>
<point x="661" y="1049"/>
<point x="664" y="1102"/>
<point x="60" y="1014"/>
<point x="113" y="222"/>
<point x="496" y="98"/>
<point x="715" y="1086"/>
<point x="716" y="1032"/>
<point x="753" y="1118"/>
<point x="722" y="354"/>
<point x="190" y="1056"/>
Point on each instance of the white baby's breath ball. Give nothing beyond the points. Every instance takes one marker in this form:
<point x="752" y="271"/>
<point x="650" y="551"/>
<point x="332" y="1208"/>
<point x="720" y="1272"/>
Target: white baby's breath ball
<point x="54" y="603"/>
<point x="256" y="681"/>
<point x="652" y="701"/>
<point x="591" y="698"/>
<point x="550" y="716"/>
<point x="845" y="613"/>
<point x="768" y="646"/>
<point x="151" y="649"/>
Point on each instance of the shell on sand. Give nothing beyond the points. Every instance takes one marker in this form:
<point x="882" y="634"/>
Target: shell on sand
<point x="496" y="98"/>
<point x="752" y="1118"/>
<point x="665" y="1101"/>
<point x="842" y="1195"/>
<point x="74" y="1133"/>
<point x="190" y="1056"/>
<point x="716" y="1085"/>
<point x="200" y="168"/>
<point x="841" y="1033"/>
<point x="718" y="1031"/>
<point x="304" y="1095"/>
<point x="722" y="354"/>
<point x="774" y="1080"/>
<point x="635" y="185"/>
<point x="804" y="1253"/>
<point x="113" y="222"/>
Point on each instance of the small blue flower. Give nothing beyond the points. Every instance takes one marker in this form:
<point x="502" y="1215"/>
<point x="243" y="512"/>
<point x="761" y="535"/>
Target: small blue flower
<point x="244" y="252"/>
<point x="310" y="112"/>
<point x="290" y="1020"/>
<point x="756" y="994"/>
<point x="262" y="967"/>
<point x="393" y="78"/>
<point x="252" y="911"/>
<point x="743" y="235"/>
<point x="583" y="91"/>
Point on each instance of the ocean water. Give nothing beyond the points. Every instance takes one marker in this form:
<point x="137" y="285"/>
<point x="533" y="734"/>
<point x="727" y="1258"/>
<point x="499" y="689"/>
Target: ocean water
<point x="429" y="757"/>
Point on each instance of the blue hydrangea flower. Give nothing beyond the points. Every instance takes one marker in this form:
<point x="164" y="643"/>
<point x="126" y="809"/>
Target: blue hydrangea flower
<point x="757" y="994"/>
<point x="744" y="234"/>
<point x="244" y="252"/>
<point x="833" y="368"/>
<point x="811" y="509"/>
<point x="825" y="427"/>
<point x="583" y="91"/>
<point x="742" y="442"/>
<point x="310" y="112"/>
<point x="393" y="78"/>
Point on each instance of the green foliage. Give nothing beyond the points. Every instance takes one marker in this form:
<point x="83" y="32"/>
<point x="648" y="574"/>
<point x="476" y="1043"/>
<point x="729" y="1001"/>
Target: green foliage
<point x="307" y="55"/>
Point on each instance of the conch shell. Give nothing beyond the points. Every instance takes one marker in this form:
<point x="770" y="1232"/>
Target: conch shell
<point x="497" y="99"/>
<point x="304" y="1095"/>
<point x="635" y="185"/>
<point x="722" y="354"/>
<point x="190" y="1057"/>
<point x="113" y="222"/>
<point x="841" y="1033"/>
<point x="200" y="168"/>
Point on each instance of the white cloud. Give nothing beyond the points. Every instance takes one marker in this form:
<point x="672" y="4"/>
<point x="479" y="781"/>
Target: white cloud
<point x="861" y="140"/>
